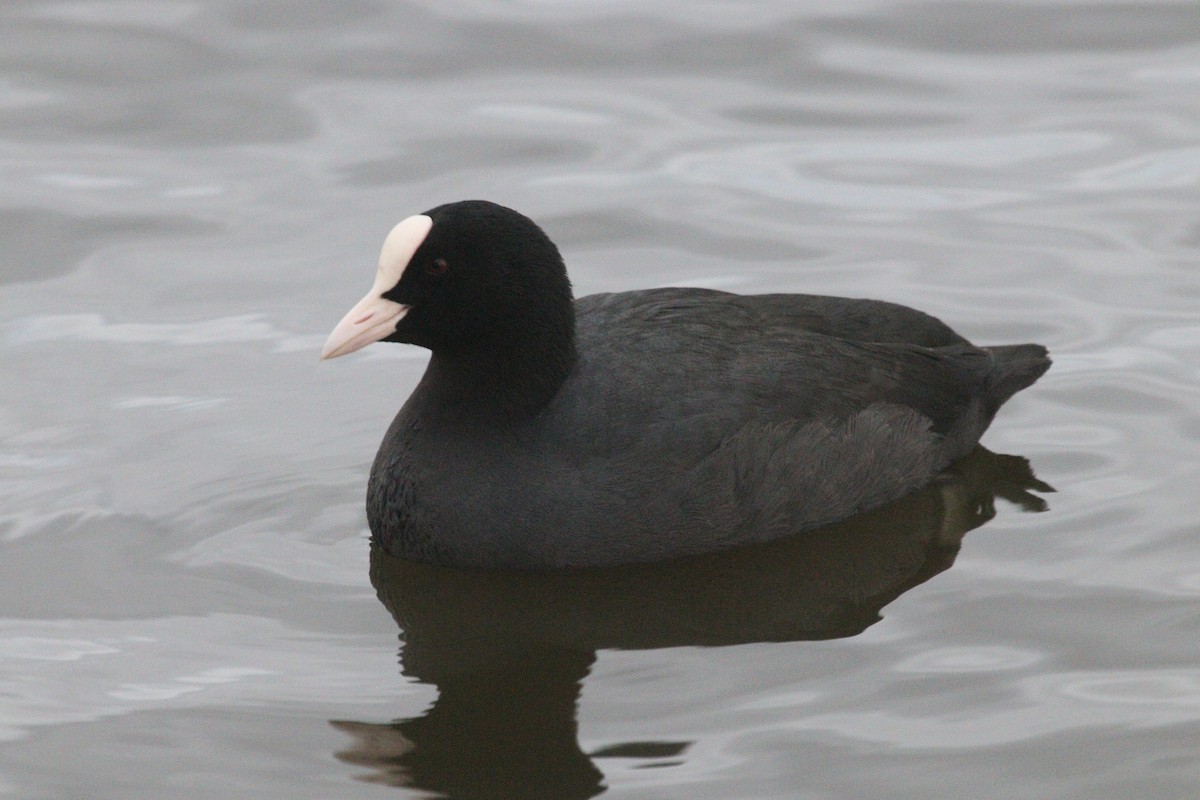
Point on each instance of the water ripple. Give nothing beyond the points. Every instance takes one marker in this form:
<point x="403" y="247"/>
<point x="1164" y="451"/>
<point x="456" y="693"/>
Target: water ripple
<point x="1045" y="706"/>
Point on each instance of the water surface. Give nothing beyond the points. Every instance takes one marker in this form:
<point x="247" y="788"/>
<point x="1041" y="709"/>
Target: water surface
<point x="194" y="192"/>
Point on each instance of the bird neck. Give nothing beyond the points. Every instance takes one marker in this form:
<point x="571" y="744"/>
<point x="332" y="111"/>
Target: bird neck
<point x="508" y="377"/>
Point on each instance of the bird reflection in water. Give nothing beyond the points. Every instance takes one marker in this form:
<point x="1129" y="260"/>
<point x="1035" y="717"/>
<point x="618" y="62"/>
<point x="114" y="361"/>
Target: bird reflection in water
<point x="508" y="651"/>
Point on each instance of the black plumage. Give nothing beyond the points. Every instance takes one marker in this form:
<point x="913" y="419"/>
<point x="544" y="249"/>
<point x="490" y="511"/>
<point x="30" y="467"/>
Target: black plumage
<point x="638" y="426"/>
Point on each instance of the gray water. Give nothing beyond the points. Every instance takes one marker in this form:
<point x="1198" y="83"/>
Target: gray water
<point x="194" y="193"/>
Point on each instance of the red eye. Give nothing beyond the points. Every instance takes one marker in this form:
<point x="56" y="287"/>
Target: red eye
<point x="437" y="267"/>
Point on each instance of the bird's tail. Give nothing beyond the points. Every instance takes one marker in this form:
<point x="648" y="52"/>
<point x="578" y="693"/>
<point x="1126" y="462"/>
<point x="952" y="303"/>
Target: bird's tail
<point x="1017" y="366"/>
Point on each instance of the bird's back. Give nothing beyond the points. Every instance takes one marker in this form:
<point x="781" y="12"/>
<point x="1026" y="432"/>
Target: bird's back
<point x="694" y="421"/>
<point x="697" y="420"/>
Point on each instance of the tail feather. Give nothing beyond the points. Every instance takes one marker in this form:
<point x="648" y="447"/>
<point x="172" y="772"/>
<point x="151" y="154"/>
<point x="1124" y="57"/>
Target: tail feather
<point x="1017" y="366"/>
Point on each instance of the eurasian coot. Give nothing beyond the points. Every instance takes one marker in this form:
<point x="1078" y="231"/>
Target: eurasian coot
<point x="636" y="426"/>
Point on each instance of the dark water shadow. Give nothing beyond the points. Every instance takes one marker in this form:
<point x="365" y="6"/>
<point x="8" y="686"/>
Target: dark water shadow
<point x="508" y="652"/>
